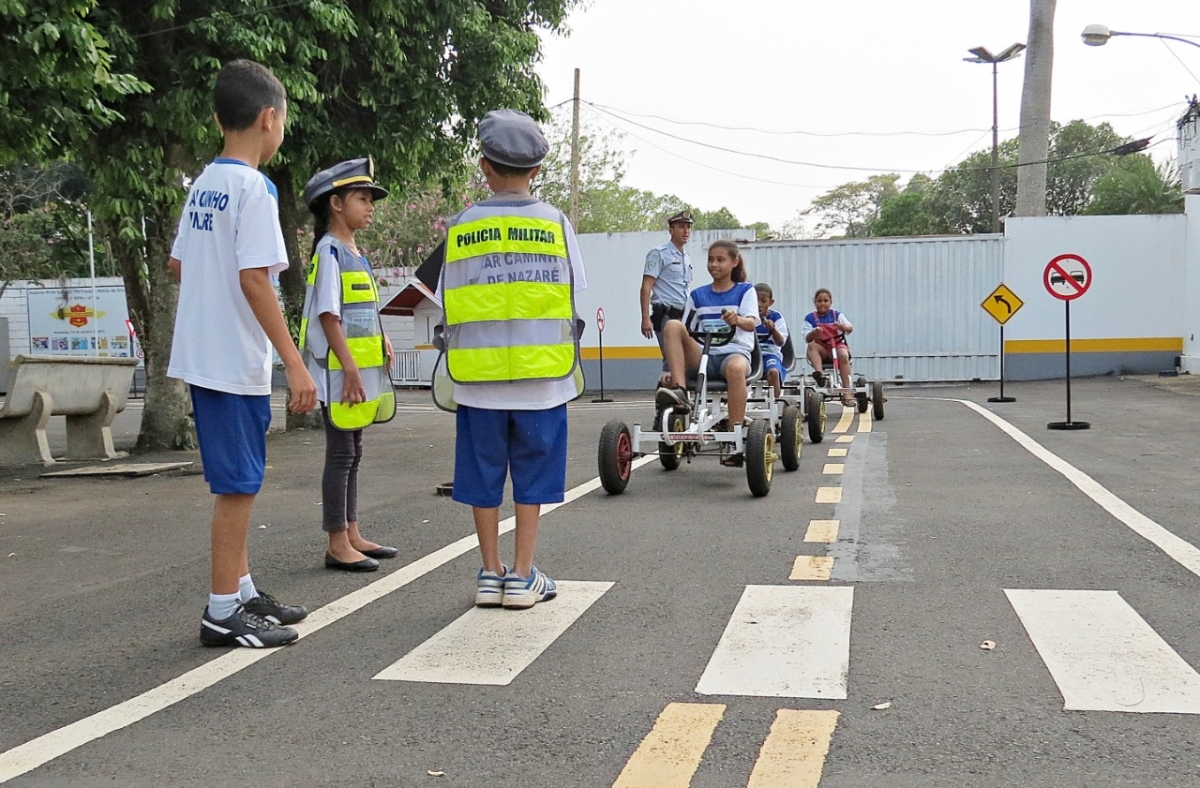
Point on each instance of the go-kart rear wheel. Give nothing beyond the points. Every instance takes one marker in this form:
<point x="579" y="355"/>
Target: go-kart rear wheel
<point x="615" y="457"/>
<point x="760" y="457"/>
<point x="863" y="401"/>
<point x="671" y="455"/>
<point x="791" y="438"/>
<point x="877" y="400"/>
<point x="814" y="407"/>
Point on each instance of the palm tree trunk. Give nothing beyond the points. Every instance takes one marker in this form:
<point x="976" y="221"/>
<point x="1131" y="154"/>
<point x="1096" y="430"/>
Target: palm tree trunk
<point x="1034" y="137"/>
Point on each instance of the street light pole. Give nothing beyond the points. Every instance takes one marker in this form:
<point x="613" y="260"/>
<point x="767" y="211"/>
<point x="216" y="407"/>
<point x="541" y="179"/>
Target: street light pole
<point x="982" y="55"/>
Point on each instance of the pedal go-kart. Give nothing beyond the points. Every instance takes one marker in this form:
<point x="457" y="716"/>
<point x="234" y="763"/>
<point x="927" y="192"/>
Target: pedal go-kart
<point x="866" y="393"/>
<point x="701" y="428"/>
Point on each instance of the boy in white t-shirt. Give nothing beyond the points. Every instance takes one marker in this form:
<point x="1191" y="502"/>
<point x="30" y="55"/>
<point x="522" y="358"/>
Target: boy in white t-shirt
<point x="228" y="247"/>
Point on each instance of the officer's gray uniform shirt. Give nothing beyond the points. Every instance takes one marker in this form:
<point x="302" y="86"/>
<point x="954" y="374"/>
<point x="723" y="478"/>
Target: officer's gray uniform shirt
<point x="672" y="270"/>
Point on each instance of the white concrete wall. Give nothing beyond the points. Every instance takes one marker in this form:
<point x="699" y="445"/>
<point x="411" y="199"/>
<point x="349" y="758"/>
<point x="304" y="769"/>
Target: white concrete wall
<point x="1139" y="266"/>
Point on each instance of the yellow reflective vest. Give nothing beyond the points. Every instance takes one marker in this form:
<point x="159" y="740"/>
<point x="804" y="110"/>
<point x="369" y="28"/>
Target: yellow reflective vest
<point x="508" y="299"/>
<point x="364" y="337"/>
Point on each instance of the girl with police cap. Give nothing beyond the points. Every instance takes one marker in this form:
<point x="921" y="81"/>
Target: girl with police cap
<point x="346" y="351"/>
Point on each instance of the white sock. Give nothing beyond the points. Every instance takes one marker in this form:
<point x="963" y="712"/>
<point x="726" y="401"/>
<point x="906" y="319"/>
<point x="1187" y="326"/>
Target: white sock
<point x="222" y="606"/>
<point x="246" y="589"/>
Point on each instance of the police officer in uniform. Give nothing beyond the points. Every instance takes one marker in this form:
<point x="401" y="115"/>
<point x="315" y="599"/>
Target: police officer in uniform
<point x="665" y="282"/>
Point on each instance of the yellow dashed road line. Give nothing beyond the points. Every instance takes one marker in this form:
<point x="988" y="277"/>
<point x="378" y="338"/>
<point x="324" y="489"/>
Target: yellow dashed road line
<point x="833" y="468"/>
<point x="822" y="531"/>
<point x="845" y="439"/>
<point x="671" y="752"/>
<point x="811" y="567"/>
<point x="829" y="495"/>
<point x="793" y="755"/>
<point x="838" y="452"/>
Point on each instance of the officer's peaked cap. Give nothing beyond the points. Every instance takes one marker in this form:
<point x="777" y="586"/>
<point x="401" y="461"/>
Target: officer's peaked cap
<point x="512" y="138"/>
<point x="354" y="174"/>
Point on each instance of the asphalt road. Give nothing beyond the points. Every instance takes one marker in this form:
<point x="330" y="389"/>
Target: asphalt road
<point x="952" y="534"/>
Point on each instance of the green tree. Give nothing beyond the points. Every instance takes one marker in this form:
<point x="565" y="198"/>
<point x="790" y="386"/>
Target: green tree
<point x="914" y="211"/>
<point x="1136" y="185"/>
<point x="720" y="219"/>
<point x="404" y="81"/>
<point x="850" y="210"/>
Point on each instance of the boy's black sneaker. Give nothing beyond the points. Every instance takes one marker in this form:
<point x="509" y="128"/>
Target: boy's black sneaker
<point x="269" y="608"/>
<point x="244" y="628"/>
<point x="819" y="378"/>
<point x="671" y="397"/>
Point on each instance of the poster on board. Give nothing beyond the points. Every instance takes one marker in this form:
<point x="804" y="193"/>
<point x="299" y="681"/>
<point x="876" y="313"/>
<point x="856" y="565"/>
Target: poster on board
<point x="66" y="322"/>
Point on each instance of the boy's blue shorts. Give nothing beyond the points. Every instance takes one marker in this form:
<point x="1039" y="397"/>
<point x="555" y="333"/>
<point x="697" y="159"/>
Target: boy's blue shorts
<point x="232" y="429"/>
<point x="772" y="361"/>
<point x="529" y="444"/>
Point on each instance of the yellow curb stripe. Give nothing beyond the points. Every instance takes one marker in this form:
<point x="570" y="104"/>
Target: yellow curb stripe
<point x="822" y="531"/>
<point x="834" y="468"/>
<point x="794" y="753"/>
<point x="829" y="495"/>
<point x="838" y="452"/>
<point x="671" y="751"/>
<point x="811" y="567"/>
<point x="1124" y="345"/>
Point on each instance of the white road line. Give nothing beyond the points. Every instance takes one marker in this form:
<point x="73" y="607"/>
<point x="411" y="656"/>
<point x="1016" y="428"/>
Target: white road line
<point x="784" y="642"/>
<point x="47" y="747"/>
<point x="1183" y="552"/>
<point x="453" y="655"/>
<point x="1103" y="655"/>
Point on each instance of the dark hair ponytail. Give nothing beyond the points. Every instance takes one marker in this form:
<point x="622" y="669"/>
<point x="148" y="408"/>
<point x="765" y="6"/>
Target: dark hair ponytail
<point x="320" y="223"/>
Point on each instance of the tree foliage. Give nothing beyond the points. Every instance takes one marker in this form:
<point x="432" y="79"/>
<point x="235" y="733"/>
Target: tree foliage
<point x="850" y="210"/>
<point x="1136" y="185"/>
<point x="128" y="93"/>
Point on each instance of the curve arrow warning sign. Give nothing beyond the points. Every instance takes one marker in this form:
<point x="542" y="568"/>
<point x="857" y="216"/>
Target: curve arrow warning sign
<point x="1002" y="303"/>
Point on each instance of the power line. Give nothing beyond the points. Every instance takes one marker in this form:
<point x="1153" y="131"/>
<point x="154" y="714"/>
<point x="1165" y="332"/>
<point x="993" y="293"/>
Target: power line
<point x="275" y="7"/>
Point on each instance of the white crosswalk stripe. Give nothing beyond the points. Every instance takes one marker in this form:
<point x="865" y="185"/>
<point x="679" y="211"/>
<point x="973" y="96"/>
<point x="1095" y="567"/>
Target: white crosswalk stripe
<point x="1103" y="655"/>
<point x="453" y="655"/>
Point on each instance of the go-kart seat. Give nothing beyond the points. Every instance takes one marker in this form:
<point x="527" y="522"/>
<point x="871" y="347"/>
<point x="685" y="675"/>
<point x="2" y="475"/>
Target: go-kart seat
<point x="756" y="371"/>
<point x="789" y="356"/>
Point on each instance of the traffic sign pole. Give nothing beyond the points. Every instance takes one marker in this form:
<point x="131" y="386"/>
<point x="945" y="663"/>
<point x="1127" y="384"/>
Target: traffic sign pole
<point x="600" y="329"/>
<point x="1002" y="398"/>
<point x="1067" y="284"/>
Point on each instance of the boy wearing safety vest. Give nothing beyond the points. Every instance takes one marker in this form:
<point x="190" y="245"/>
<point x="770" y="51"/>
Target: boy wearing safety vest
<point x="511" y="348"/>
<point x="346" y="351"/>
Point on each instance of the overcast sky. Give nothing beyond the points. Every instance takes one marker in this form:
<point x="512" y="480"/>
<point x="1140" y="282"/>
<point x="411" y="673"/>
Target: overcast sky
<point x="842" y="68"/>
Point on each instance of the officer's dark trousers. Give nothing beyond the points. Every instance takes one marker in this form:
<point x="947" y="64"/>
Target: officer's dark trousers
<point x="339" y="483"/>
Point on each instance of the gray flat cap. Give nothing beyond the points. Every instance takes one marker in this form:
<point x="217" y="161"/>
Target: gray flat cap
<point x="512" y="138"/>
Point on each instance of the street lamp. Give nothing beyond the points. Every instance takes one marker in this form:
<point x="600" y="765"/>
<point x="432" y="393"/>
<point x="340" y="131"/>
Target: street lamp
<point x="982" y="55"/>
<point x="1098" y="35"/>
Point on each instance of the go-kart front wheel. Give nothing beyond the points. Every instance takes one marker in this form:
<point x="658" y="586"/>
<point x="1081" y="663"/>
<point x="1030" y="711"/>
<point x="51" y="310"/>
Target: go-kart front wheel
<point x="877" y="400"/>
<point x="615" y="457"/>
<point x="671" y="455"/>
<point x="760" y="457"/>
<point x="791" y="438"/>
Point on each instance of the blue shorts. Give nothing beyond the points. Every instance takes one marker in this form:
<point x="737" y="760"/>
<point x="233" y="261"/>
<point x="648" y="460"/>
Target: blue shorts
<point x="232" y="429"/>
<point x="529" y="444"/>
<point x="716" y="365"/>
<point x="770" y="362"/>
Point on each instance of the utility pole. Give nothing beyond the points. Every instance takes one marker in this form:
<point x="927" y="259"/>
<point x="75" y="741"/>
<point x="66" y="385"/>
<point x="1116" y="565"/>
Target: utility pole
<point x="574" y="212"/>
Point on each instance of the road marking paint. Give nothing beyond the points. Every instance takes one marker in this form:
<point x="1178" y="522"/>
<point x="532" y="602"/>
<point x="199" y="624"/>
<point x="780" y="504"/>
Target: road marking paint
<point x="793" y="755"/>
<point x="838" y="452"/>
<point x="834" y="468"/>
<point x="811" y="567"/>
<point x="845" y="421"/>
<point x="829" y="495"/>
<point x="845" y="439"/>
<point x="453" y="655"/>
<point x="47" y="747"/>
<point x="671" y="752"/>
<point x="784" y="642"/>
<point x="1103" y="655"/>
<point x="864" y="421"/>
<point x="822" y="531"/>
<point x="1183" y="552"/>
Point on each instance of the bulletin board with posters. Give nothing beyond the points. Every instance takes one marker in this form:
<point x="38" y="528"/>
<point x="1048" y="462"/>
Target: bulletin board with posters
<point x="69" y="322"/>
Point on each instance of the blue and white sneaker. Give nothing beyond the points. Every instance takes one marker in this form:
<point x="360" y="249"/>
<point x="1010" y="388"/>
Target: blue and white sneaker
<point x="246" y="629"/>
<point x="489" y="588"/>
<point x="525" y="592"/>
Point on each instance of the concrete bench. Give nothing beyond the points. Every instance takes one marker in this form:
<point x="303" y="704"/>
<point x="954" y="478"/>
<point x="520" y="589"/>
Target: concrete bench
<point x="88" y="391"/>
